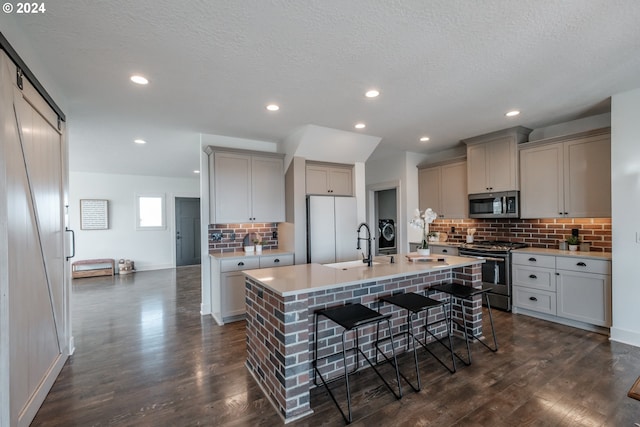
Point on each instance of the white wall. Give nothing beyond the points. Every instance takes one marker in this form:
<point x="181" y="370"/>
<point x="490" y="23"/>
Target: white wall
<point x="150" y="250"/>
<point x="625" y="205"/>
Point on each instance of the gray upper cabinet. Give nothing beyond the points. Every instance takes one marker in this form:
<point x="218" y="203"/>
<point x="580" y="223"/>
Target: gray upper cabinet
<point x="247" y="188"/>
<point x="567" y="177"/>
<point x="444" y="189"/>
<point x="492" y="160"/>
<point x="334" y="180"/>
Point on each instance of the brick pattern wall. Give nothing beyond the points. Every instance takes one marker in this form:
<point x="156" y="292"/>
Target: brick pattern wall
<point x="282" y="362"/>
<point x="230" y="244"/>
<point x="541" y="233"/>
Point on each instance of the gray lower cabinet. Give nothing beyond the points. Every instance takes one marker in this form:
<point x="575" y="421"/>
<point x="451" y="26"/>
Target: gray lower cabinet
<point x="570" y="290"/>
<point x="232" y="281"/>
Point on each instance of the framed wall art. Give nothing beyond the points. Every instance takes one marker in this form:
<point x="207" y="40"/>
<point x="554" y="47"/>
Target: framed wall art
<point x="94" y="214"/>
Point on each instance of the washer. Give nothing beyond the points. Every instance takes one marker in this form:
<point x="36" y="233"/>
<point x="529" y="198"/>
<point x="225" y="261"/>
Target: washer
<point x="387" y="232"/>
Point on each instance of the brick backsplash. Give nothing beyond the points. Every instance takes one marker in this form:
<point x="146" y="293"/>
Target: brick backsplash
<point x="541" y="233"/>
<point x="227" y="244"/>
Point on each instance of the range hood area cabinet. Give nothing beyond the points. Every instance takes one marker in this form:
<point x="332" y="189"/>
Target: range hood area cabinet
<point x="492" y="160"/>
<point x="246" y="187"/>
<point x="567" y="176"/>
<point x="443" y="188"/>
<point x="326" y="179"/>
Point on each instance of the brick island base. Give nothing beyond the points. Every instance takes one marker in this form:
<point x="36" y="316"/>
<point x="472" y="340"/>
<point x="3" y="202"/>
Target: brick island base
<point x="280" y="330"/>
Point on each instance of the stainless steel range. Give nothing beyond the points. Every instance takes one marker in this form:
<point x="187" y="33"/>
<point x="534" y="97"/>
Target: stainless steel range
<point x="496" y="271"/>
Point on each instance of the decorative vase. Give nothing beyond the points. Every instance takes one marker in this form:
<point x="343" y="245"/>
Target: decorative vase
<point x="249" y="249"/>
<point x="423" y="252"/>
<point x="573" y="247"/>
<point x="258" y="249"/>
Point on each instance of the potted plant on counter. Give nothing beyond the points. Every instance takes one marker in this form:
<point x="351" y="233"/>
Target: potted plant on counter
<point x="421" y="220"/>
<point x="573" y="242"/>
<point x="258" y="245"/>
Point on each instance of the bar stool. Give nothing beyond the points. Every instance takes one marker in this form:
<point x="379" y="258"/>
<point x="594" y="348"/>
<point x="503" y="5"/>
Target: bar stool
<point x="352" y="317"/>
<point x="465" y="293"/>
<point x="415" y="303"/>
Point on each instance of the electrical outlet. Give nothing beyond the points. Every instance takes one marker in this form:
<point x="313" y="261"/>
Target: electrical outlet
<point x="453" y="230"/>
<point x="233" y="236"/>
<point x="274" y="235"/>
<point x="216" y="237"/>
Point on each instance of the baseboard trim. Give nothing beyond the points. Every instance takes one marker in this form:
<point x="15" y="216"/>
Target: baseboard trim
<point x="625" y="336"/>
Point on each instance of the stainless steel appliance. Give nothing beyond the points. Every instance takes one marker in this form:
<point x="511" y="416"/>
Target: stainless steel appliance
<point x="331" y="229"/>
<point x="504" y="204"/>
<point x="386" y="236"/>
<point x="496" y="270"/>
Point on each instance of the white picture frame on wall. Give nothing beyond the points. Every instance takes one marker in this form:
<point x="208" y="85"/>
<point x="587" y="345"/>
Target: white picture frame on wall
<point x="94" y="214"/>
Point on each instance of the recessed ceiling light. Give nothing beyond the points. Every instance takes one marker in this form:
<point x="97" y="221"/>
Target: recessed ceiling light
<point x="139" y="141"/>
<point x="372" y="93"/>
<point x="273" y="107"/>
<point x="360" y="126"/>
<point x="512" y="113"/>
<point x="137" y="79"/>
<point x="196" y="171"/>
<point x="424" y="139"/>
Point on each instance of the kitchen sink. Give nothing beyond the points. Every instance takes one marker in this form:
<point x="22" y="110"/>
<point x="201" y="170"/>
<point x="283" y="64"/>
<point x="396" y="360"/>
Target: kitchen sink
<point x="349" y="264"/>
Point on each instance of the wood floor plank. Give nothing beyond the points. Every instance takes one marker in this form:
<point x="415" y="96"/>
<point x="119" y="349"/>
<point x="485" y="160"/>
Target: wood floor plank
<point x="145" y="357"/>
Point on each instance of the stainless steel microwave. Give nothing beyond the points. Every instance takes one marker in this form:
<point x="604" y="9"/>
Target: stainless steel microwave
<point x="505" y="204"/>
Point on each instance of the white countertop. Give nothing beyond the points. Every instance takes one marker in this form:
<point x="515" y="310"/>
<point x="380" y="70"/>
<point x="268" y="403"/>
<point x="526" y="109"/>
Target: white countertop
<point x="303" y="278"/>
<point x="558" y="252"/>
<point x="242" y="254"/>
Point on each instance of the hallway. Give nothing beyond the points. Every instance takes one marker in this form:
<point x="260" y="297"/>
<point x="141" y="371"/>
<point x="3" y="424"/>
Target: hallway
<point x="145" y="356"/>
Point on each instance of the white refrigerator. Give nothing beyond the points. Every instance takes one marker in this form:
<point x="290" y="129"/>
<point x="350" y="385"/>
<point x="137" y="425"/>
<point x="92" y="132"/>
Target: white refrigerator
<point x="332" y="225"/>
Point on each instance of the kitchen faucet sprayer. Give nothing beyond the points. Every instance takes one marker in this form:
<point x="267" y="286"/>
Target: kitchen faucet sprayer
<point x="369" y="258"/>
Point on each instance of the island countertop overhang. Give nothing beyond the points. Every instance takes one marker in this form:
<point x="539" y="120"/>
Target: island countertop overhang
<point x="304" y="278"/>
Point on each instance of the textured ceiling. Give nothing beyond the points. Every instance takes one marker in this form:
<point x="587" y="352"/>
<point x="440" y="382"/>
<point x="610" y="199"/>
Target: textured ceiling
<point x="448" y="69"/>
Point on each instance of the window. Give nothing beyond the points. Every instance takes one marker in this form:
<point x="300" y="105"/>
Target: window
<point x="150" y="212"/>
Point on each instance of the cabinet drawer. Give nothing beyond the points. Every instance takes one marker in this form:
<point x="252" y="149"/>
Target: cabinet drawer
<point x="533" y="299"/>
<point x="546" y="261"/>
<point x="444" y="250"/>
<point x="532" y="277"/>
<point x="276" y="260"/>
<point x="585" y="265"/>
<point x="239" y="264"/>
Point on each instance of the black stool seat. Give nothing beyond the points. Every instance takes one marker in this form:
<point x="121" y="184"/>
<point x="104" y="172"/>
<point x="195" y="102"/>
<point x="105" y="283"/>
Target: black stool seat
<point x="415" y="303"/>
<point x="352" y="315"/>
<point x="461" y="292"/>
<point x="412" y="301"/>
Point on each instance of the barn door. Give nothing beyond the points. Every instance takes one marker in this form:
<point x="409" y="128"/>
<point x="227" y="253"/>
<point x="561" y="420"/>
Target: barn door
<point x="34" y="163"/>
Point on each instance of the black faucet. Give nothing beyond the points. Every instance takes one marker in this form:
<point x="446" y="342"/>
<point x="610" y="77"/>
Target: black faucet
<point x="369" y="258"/>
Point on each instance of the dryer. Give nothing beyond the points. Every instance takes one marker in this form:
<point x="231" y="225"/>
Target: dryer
<point x="387" y="236"/>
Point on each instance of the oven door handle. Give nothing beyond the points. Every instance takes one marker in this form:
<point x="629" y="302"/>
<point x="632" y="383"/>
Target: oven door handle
<point x="483" y="257"/>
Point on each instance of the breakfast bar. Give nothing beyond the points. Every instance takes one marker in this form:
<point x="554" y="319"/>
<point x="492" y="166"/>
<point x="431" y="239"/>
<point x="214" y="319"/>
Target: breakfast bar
<point x="281" y="302"/>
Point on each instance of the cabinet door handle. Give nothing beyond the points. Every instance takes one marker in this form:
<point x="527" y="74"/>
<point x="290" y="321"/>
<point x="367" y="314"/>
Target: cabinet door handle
<point x="240" y="264"/>
<point x="533" y="298"/>
<point x="566" y="213"/>
<point x="533" y="276"/>
<point x="444" y="251"/>
<point x="532" y="259"/>
<point x="581" y="264"/>
<point x="276" y="260"/>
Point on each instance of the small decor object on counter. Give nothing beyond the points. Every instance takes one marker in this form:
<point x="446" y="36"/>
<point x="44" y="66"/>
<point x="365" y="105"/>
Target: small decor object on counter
<point x="258" y="244"/>
<point x="573" y="242"/>
<point x="563" y="246"/>
<point x="470" y="233"/>
<point x="249" y="249"/>
<point x="421" y="220"/>
<point x="585" y="247"/>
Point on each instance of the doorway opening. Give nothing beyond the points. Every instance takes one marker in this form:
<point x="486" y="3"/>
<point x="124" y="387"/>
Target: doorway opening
<point x="385" y="206"/>
<point x="187" y="231"/>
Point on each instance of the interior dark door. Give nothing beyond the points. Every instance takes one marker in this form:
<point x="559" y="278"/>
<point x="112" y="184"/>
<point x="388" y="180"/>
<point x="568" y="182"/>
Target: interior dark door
<point x="187" y="231"/>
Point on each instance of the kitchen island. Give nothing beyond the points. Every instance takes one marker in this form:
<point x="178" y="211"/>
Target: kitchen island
<point x="281" y="303"/>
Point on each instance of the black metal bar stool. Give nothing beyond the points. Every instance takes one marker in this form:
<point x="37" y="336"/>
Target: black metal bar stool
<point x="465" y="293"/>
<point x="352" y="317"/>
<point x="415" y="303"/>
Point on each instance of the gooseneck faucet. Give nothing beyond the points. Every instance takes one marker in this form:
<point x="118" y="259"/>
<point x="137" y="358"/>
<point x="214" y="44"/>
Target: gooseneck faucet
<point x="368" y="259"/>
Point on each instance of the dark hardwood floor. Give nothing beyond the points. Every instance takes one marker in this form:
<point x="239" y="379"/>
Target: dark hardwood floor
<point x="145" y="357"/>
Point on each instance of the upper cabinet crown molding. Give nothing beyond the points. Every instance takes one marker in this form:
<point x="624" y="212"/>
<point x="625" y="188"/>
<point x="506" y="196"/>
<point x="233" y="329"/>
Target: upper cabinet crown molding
<point x="492" y="160"/>
<point x="210" y="149"/>
<point x="246" y="186"/>
<point x="328" y="178"/>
